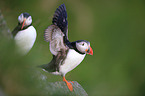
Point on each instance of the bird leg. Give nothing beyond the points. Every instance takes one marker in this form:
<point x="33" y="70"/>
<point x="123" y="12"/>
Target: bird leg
<point x="69" y="85"/>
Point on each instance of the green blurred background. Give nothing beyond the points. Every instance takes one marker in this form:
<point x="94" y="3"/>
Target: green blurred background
<point x="115" y="28"/>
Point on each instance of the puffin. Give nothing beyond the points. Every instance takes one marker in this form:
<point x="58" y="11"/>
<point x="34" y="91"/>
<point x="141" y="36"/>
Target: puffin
<point x="66" y="55"/>
<point x="24" y="34"/>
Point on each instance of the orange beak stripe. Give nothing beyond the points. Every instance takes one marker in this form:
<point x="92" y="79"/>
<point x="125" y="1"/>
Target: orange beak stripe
<point x="23" y="24"/>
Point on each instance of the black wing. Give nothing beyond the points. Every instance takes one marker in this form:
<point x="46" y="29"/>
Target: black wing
<point x="60" y="20"/>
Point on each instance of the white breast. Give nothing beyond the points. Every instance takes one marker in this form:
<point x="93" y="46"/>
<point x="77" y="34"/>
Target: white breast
<point x="72" y="60"/>
<point x="25" y="39"/>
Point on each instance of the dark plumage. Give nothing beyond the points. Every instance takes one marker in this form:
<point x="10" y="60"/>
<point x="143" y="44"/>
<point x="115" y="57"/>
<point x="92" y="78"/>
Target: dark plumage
<point x="60" y="20"/>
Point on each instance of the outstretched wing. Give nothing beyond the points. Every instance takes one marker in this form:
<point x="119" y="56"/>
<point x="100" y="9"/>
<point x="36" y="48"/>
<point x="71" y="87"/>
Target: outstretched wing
<point x="54" y="36"/>
<point x="60" y="20"/>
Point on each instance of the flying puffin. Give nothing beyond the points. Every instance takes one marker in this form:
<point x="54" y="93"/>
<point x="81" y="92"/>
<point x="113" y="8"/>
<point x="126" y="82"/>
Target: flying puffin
<point x="24" y="34"/>
<point x="66" y="55"/>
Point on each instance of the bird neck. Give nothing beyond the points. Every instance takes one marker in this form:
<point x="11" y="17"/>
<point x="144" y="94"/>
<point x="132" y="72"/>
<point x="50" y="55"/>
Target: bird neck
<point x="71" y="45"/>
<point x="25" y="27"/>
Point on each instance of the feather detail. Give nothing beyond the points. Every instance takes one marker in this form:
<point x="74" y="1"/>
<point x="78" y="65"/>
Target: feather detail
<point x="60" y="18"/>
<point x="54" y="36"/>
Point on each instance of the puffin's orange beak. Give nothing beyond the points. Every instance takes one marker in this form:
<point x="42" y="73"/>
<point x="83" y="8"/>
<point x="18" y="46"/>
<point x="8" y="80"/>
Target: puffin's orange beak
<point x="23" y="23"/>
<point x="89" y="51"/>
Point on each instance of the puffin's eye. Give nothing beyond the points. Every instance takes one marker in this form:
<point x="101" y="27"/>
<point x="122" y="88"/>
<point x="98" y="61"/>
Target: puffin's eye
<point x="83" y="44"/>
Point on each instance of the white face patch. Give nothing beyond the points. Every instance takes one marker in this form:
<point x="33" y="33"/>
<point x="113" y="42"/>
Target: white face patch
<point x="82" y="46"/>
<point x="28" y="20"/>
<point x="21" y="18"/>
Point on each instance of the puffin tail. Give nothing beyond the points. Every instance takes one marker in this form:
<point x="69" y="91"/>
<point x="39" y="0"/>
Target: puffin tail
<point x="47" y="67"/>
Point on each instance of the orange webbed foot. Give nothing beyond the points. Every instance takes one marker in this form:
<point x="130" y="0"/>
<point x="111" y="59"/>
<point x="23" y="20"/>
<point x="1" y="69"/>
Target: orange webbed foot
<point x="69" y="85"/>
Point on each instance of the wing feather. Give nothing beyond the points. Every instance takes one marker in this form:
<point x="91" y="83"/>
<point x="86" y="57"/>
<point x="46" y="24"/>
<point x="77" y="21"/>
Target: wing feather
<point x="60" y="19"/>
<point x="54" y="36"/>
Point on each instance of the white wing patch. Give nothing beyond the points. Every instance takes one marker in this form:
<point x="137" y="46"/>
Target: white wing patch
<point x="54" y="36"/>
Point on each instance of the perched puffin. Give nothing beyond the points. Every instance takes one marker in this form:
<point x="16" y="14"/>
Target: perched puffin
<point x="24" y="34"/>
<point x="66" y="55"/>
